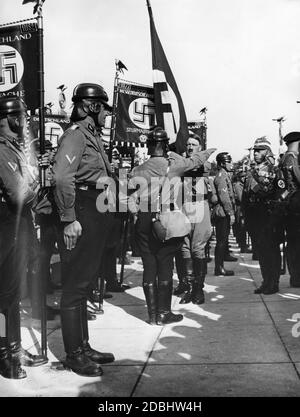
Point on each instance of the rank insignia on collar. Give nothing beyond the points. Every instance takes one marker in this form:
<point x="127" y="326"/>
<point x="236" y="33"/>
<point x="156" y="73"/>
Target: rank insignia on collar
<point x="91" y="128"/>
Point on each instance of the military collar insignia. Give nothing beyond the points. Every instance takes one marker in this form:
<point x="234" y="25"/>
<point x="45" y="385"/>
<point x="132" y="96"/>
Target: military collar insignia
<point x="8" y="138"/>
<point x="91" y="128"/>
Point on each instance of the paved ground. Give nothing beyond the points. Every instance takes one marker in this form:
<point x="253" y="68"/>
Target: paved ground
<point x="236" y="344"/>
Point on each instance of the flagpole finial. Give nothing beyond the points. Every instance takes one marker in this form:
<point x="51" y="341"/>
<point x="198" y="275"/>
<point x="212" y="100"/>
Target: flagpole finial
<point x="120" y="66"/>
<point x="38" y="5"/>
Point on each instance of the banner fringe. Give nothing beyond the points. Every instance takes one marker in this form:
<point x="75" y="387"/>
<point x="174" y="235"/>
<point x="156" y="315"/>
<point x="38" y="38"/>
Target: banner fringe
<point x="134" y="83"/>
<point x="17" y="22"/>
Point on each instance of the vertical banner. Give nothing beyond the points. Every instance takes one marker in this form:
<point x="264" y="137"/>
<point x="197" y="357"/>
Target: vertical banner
<point x="169" y="108"/>
<point x="135" y="113"/>
<point x="199" y="128"/>
<point x="55" y="125"/>
<point x="19" y="63"/>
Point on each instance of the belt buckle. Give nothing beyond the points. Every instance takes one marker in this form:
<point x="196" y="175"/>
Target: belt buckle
<point x="83" y="187"/>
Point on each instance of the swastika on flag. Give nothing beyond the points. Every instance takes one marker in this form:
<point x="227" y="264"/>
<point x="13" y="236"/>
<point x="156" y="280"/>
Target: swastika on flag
<point x="142" y="113"/>
<point x="11" y="68"/>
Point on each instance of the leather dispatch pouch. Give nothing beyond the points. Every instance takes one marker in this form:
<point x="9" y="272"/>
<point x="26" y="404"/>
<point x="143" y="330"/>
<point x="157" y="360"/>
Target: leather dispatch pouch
<point x="158" y="230"/>
<point x="168" y="224"/>
<point x="171" y="224"/>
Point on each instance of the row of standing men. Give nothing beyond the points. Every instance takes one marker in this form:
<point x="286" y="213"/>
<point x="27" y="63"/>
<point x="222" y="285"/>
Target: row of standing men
<point x="83" y="228"/>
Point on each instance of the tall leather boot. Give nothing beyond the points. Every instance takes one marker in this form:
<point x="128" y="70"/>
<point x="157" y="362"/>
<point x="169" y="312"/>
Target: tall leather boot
<point x="72" y="332"/>
<point x="9" y="368"/>
<point x="188" y="281"/>
<point x="218" y="259"/>
<point x="220" y="251"/>
<point x="219" y="264"/>
<point x="94" y="355"/>
<point x="18" y="354"/>
<point x="150" y="291"/>
<point x="200" y="273"/>
<point x="180" y="268"/>
<point x="164" y="300"/>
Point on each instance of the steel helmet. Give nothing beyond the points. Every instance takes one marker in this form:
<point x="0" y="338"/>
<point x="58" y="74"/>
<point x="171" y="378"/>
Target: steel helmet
<point x="158" y="135"/>
<point x="223" y="158"/>
<point x="91" y="92"/>
<point x="11" y="106"/>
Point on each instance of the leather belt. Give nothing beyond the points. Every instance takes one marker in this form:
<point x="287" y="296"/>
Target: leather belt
<point x="86" y="187"/>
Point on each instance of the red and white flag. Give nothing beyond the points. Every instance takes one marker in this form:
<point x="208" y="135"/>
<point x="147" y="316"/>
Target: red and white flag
<point x="169" y="108"/>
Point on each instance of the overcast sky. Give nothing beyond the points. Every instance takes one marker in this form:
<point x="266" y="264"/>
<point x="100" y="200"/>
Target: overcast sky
<point x="240" y="58"/>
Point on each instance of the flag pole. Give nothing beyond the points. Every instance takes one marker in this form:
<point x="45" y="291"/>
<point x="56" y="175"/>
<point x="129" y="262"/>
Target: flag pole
<point x="101" y="281"/>
<point x="41" y="87"/>
<point x="149" y="8"/>
<point x="41" y="90"/>
<point x="114" y="111"/>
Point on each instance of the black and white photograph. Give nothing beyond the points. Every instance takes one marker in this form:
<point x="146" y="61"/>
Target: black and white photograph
<point x="150" y="203"/>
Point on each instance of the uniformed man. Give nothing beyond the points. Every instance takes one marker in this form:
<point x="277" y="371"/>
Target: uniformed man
<point x="291" y="171"/>
<point x="196" y="207"/>
<point x="39" y="276"/>
<point x="223" y="211"/>
<point x="238" y="181"/>
<point x="16" y="197"/>
<point x="264" y="186"/>
<point x="157" y="256"/>
<point x="79" y="164"/>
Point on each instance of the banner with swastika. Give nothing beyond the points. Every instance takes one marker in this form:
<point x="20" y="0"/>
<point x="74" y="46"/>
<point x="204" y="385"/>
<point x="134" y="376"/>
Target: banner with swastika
<point x="55" y="125"/>
<point x="19" y="63"/>
<point x="135" y="113"/>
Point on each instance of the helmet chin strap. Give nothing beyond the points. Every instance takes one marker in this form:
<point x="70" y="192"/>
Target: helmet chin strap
<point x="15" y="127"/>
<point x="94" y="116"/>
<point x="89" y="110"/>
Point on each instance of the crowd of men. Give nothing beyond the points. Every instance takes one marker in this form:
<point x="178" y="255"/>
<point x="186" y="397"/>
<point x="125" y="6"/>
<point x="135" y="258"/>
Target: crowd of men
<point x="76" y="214"/>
